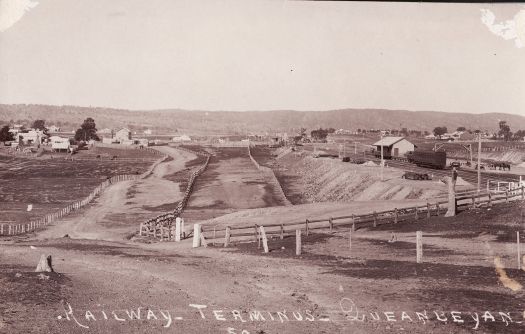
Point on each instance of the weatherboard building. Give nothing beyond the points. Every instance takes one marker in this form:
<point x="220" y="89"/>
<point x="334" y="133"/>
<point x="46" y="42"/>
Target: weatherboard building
<point x="394" y="146"/>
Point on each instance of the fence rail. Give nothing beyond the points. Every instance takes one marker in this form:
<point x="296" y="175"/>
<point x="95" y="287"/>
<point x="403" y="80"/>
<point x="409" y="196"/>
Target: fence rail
<point x="373" y="219"/>
<point x="162" y="226"/>
<point x="15" y="229"/>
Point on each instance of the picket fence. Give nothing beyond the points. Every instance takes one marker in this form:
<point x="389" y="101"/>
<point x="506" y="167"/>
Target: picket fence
<point x="15" y="229"/>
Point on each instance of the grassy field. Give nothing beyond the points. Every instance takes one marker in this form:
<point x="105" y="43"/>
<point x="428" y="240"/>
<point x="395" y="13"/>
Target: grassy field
<point x="51" y="184"/>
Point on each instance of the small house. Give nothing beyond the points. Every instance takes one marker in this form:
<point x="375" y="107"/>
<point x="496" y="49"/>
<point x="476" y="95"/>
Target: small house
<point x="53" y="128"/>
<point x="31" y="137"/>
<point x="59" y="143"/>
<point x="122" y="135"/>
<point x="394" y="146"/>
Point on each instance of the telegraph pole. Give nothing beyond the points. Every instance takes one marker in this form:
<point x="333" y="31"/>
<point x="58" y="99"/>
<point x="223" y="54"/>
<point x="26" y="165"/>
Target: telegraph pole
<point x="382" y="162"/>
<point x="479" y="162"/>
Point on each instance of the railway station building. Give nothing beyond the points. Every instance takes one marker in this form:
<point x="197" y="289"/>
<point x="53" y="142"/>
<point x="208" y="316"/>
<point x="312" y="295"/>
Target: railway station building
<point x="394" y="146"/>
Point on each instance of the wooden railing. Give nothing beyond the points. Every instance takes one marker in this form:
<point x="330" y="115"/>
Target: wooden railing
<point x="373" y="219"/>
<point x="162" y="226"/>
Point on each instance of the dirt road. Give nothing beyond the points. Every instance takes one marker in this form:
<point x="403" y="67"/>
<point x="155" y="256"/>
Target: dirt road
<point x="121" y="207"/>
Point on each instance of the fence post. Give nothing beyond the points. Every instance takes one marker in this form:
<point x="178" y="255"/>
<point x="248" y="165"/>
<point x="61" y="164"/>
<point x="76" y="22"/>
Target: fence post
<point x="9" y="229"/>
<point x="196" y="235"/>
<point x="350" y="241"/>
<point x="2" y="229"/>
<point x="202" y="239"/>
<point x="415" y="213"/>
<point x="307" y="229"/>
<point x="227" y="236"/>
<point x="506" y="195"/>
<point x="257" y="238"/>
<point x="490" y="200"/>
<point x="419" y="247"/>
<point x="518" y="248"/>
<point x="473" y="202"/>
<point x="331" y="224"/>
<point x="140" y="229"/>
<point x="428" y="210"/>
<point x="395" y="215"/>
<point x="375" y="219"/>
<point x="437" y="209"/>
<point x="264" y="239"/>
<point x="297" y="242"/>
<point x="282" y="232"/>
<point x="353" y="222"/>
<point x="522" y="192"/>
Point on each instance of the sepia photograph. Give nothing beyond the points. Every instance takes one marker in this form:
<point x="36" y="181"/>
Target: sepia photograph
<point x="261" y="167"/>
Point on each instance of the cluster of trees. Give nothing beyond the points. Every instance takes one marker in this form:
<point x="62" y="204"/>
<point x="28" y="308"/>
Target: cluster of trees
<point x="321" y="134"/>
<point x="87" y="131"/>
<point x="440" y="131"/>
<point x="507" y="135"/>
<point x="5" y="135"/>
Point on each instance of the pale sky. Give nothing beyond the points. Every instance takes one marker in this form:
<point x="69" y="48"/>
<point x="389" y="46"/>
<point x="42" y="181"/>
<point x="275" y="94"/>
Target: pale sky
<point x="262" y="55"/>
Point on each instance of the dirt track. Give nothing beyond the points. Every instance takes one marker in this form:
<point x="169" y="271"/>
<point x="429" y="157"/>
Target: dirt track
<point x="117" y="212"/>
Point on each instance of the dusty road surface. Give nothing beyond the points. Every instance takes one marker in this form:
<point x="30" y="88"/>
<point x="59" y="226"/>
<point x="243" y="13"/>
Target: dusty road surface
<point x="374" y="286"/>
<point x="231" y="183"/>
<point x="116" y="214"/>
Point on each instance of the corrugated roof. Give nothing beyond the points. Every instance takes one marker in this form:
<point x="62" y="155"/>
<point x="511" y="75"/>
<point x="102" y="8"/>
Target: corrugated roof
<point x="388" y="141"/>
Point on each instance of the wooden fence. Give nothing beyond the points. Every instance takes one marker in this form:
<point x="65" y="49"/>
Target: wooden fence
<point x="373" y="219"/>
<point x="14" y="229"/>
<point x="162" y="226"/>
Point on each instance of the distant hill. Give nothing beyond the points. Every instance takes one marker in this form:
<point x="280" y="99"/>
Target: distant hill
<point x="255" y="121"/>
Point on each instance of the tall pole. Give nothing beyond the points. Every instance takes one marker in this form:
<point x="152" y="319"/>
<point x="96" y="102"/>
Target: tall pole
<point x="479" y="162"/>
<point x="382" y="162"/>
<point x="471" y="156"/>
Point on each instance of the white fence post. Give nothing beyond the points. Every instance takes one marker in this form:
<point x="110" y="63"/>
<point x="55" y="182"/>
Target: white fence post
<point x="419" y="247"/>
<point x="264" y="239"/>
<point x="297" y="242"/>
<point x="196" y="235"/>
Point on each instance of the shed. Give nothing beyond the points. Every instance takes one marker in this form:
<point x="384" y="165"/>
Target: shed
<point x="394" y="146"/>
<point x="123" y="134"/>
<point x="59" y="143"/>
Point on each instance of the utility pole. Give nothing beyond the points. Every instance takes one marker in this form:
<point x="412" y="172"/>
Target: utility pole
<point x="382" y="162"/>
<point x="471" y="156"/>
<point x="479" y="162"/>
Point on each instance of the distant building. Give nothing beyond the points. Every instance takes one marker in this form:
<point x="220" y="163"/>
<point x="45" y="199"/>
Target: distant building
<point x="31" y="137"/>
<point x="182" y="138"/>
<point x="53" y="128"/>
<point x="105" y="131"/>
<point x="108" y="140"/>
<point x="147" y="132"/>
<point x="59" y="143"/>
<point x="394" y="146"/>
<point x="122" y="135"/>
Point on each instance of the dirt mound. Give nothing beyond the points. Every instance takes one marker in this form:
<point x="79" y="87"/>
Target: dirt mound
<point x="313" y="180"/>
<point x="513" y="156"/>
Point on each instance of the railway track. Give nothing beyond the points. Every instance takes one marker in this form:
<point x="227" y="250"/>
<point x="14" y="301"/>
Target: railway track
<point x="467" y="175"/>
